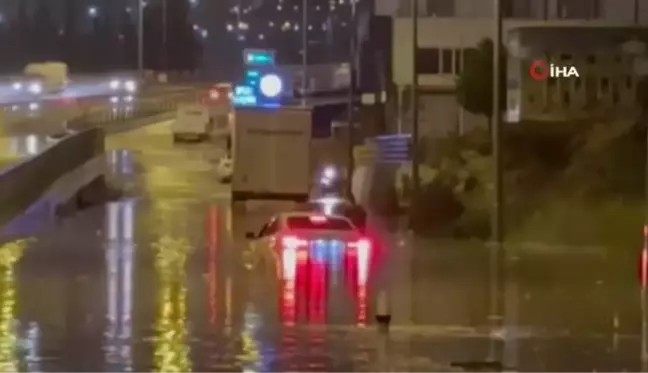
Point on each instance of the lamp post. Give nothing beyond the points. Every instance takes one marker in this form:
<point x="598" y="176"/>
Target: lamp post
<point x="638" y="50"/>
<point x="304" y="83"/>
<point x="496" y="123"/>
<point x="351" y="96"/>
<point x="416" y="177"/>
<point x="165" y="36"/>
<point x="140" y="36"/>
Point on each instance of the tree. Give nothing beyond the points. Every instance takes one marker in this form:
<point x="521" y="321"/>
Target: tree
<point x="128" y="41"/>
<point x="71" y="40"/>
<point x="183" y="51"/>
<point x="45" y="33"/>
<point x="475" y="83"/>
<point x="22" y="34"/>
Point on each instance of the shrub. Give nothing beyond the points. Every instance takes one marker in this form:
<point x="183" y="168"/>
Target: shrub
<point x="435" y="211"/>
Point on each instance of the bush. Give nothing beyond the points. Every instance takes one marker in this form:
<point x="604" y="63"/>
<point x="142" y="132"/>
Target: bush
<point x="615" y="224"/>
<point x="435" y="212"/>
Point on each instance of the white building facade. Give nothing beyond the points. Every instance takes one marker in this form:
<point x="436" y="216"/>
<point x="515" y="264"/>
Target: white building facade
<point x="448" y="27"/>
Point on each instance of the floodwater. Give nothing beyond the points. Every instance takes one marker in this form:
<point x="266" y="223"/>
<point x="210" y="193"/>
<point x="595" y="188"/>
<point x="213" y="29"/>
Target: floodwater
<point x="163" y="280"/>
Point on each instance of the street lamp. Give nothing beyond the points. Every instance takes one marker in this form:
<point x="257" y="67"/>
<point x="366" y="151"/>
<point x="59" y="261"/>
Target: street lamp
<point x="93" y="12"/>
<point x="416" y="177"/>
<point x="638" y="50"/>
<point x="353" y="48"/>
<point x="140" y="36"/>
<point x="496" y="123"/>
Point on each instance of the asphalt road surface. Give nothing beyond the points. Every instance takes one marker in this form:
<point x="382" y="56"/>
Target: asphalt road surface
<point x="162" y="280"/>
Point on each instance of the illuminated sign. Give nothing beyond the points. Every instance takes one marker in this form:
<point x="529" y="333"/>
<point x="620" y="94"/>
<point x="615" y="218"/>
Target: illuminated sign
<point x="271" y="86"/>
<point x="259" y="57"/>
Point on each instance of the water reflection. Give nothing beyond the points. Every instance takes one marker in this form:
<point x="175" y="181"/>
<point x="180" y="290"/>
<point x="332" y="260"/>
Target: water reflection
<point x="9" y="255"/>
<point x="310" y="285"/>
<point x="120" y="247"/>
<point x="24" y="146"/>
<point x="251" y="355"/>
<point x="171" y="349"/>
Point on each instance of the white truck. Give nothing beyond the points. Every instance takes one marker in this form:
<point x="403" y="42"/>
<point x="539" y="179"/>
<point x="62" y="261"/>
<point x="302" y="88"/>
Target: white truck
<point x="192" y="123"/>
<point x="43" y="78"/>
<point x="271" y="154"/>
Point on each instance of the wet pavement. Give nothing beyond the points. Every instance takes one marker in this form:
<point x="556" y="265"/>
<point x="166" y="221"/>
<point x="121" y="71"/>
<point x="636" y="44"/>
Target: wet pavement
<point x="162" y="280"/>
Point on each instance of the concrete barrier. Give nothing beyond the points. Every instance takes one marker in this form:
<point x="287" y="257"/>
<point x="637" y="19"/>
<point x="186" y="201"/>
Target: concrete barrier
<point x="25" y="183"/>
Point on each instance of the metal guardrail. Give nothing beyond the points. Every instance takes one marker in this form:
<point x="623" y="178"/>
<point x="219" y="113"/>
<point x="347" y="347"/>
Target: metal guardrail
<point x="138" y="110"/>
<point x="23" y="184"/>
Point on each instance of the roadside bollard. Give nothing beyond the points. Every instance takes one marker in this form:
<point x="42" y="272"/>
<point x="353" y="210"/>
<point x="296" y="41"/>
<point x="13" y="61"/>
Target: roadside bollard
<point x="383" y="313"/>
<point x="383" y="318"/>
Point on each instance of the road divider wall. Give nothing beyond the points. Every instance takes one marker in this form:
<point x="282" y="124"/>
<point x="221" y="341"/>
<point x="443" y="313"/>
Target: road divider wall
<point x="23" y="184"/>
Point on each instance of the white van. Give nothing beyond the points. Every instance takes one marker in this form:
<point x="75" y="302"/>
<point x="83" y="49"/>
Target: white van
<point x="192" y="122"/>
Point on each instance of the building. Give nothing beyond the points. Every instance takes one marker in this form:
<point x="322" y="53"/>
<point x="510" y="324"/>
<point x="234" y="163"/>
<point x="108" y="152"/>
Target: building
<point x="605" y="60"/>
<point x="448" y="27"/>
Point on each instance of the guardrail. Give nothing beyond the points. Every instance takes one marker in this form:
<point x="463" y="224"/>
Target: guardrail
<point x="127" y="112"/>
<point x="21" y="185"/>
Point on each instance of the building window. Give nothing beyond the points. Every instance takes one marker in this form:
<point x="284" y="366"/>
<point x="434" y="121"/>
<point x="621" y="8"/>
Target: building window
<point x="517" y="8"/>
<point x="446" y="61"/>
<point x="565" y="57"/>
<point x="605" y="85"/>
<point x="578" y="84"/>
<point x="615" y="94"/>
<point x="458" y="61"/>
<point x="591" y="59"/>
<point x="566" y="98"/>
<point x="428" y="61"/>
<point x="628" y="82"/>
<point x="577" y="9"/>
<point x="440" y="8"/>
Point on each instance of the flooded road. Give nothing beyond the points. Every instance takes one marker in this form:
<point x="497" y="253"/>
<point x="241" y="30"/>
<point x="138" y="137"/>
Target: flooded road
<point x="163" y="280"/>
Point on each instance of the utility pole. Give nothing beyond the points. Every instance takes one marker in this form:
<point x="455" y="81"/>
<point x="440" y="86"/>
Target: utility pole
<point x="636" y="12"/>
<point x="304" y="85"/>
<point x="140" y="37"/>
<point x="496" y="124"/>
<point x="351" y="98"/>
<point x="416" y="177"/>
<point x="165" y="36"/>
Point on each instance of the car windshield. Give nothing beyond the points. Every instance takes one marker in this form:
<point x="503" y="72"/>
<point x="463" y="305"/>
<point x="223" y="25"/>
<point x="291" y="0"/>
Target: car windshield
<point x="318" y="223"/>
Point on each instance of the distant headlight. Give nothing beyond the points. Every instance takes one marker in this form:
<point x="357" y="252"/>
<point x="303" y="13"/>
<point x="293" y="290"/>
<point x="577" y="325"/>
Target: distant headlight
<point x="115" y="84"/>
<point x="17" y="86"/>
<point x="35" y="88"/>
<point x="130" y="86"/>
